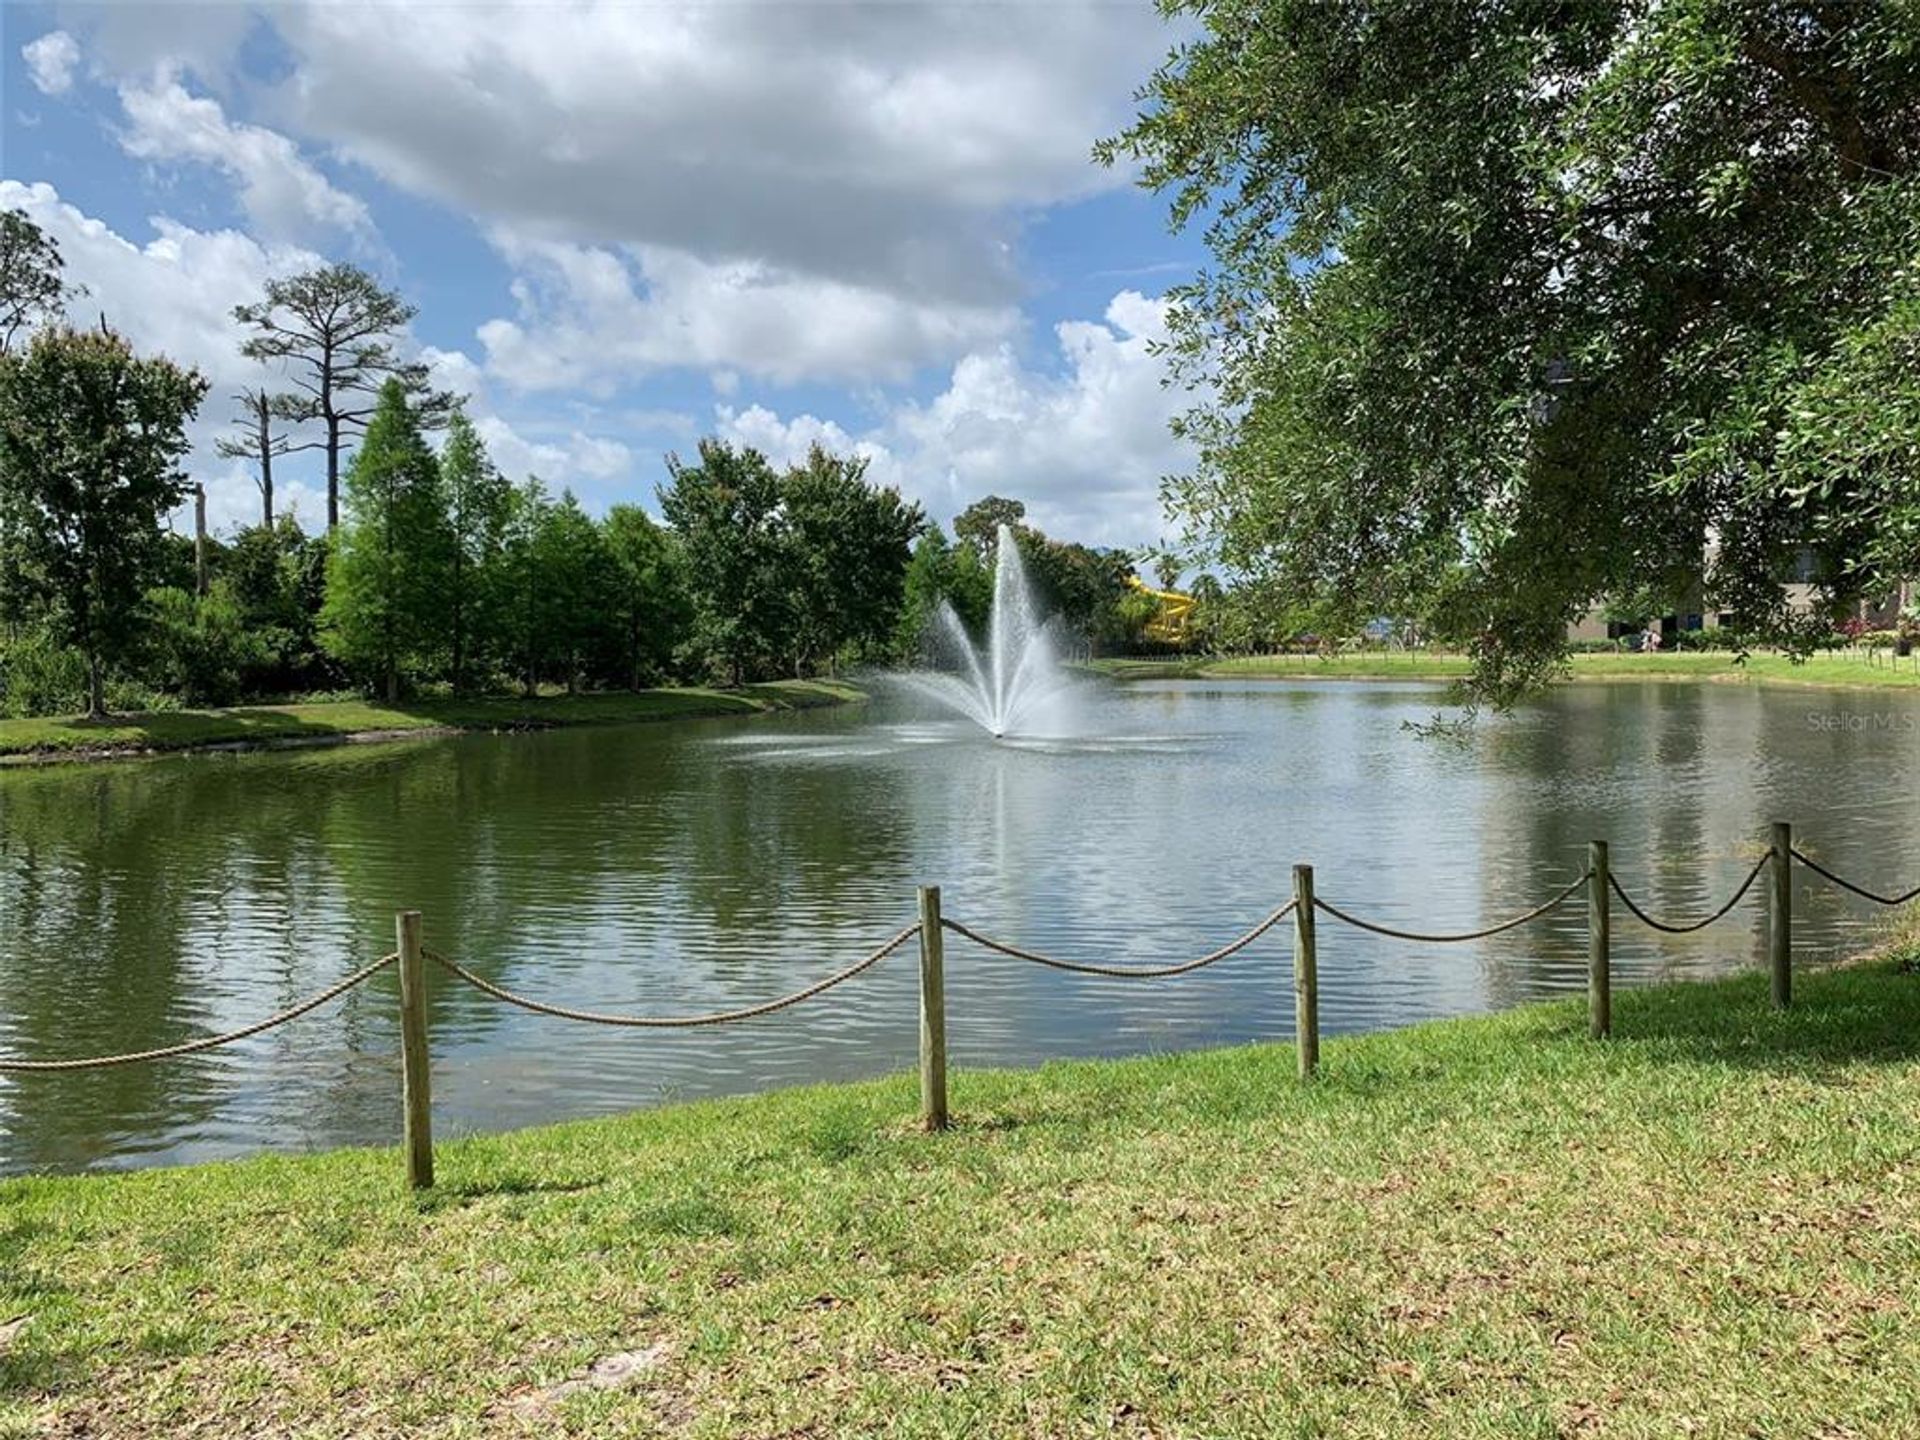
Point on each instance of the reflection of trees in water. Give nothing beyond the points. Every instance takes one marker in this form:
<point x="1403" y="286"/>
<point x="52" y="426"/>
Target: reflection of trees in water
<point x="1842" y="766"/>
<point x="1643" y="767"/>
<point x="144" y="903"/>
<point x="105" y="949"/>
<point x="1683" y="780"/>
<point x="761" y="845"/>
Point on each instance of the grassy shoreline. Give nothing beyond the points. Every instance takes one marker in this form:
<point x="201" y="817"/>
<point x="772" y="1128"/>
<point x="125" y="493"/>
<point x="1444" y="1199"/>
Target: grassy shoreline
<point x="341" y="721"/>
<point x="68" y="738"/>
<point x="1476" y="1228"/>
<point x="1825" y="671"/>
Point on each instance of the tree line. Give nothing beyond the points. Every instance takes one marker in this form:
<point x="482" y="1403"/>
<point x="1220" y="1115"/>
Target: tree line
<point x="436" y="572"/>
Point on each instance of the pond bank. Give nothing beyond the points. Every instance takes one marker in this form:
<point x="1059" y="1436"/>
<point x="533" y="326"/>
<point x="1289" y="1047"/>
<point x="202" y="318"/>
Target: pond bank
<point x="1480" y="1227"/>
<point x="264" y="727"/>
<point x="1824" y="671"/>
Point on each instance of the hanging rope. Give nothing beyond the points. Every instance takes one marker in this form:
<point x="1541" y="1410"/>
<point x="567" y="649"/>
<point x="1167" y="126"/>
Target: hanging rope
<point x="1732" y="900"/>
<point x="188" y="1047"/>
<point x="1533" y="914"/>
<point x="670" y="1022"/>
<point x="1862" y="892"/>
<point x="1124" y="972"/>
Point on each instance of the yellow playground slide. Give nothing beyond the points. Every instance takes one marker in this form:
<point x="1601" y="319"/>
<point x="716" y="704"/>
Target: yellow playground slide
<point x="1169" y="627"/>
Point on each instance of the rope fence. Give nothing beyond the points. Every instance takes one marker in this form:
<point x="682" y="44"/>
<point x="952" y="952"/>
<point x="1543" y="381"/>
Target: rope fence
<point x="1375" y="928"/>
<point x="209" y="1042"/>
<point x="411" y="956"/>
<point x="1124" y="972"/>
<point x="1860" y="890"/>
<point x="671" y="1022"/>
<point x="1666" y="929"/>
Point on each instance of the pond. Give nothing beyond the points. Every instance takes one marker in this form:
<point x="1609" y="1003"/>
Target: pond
<point x="702" y="865"/>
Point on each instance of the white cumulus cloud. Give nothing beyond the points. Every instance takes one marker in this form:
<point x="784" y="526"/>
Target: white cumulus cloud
<point x="1085" y="446"/>
<point x="51" y="60"/>
<point x="885" y="146"/>
<point x="591" y="317"/>
<point x="283" y="194"/>
<point x="573" y="458"/>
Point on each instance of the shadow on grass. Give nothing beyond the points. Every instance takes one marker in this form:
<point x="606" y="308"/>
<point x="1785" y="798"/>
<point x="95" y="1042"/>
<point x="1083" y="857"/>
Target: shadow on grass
<point x="1866" y="1013"/>
<point x="517" y="1185"/>
<point x="183" y="727"/>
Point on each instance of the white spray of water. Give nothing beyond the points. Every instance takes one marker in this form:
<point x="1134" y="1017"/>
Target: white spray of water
<point x="1015" y="685"/>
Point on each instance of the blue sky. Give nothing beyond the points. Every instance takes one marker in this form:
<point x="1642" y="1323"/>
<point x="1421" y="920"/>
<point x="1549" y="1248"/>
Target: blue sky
<point x="628" y="225"/>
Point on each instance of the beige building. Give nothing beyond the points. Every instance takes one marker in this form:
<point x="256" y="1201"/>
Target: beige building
<point x="1883" y="614"/>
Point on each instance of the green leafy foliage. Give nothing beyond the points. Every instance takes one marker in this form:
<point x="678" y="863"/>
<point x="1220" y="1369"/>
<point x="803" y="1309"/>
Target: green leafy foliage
<point x="1570" y="301"/>
<point x="850" y="544"/>
<point x="440" y="573"/>
<point x="201" y="648"/>
<point x="40" y="676"/>
<point x="91" y="437"/>
<point x="276" y="576"/>
<point x="385" y="615"/>
<point x="977" y="528"/>
<point x="726" y="511"/>
<point x="573" y="602"/>
<point x="1085" y="589"/>
<point x="939" y="571"/>
<point x="32" y="284"/>
<point x="478" y="500"/>
<point x="651" y="612"/>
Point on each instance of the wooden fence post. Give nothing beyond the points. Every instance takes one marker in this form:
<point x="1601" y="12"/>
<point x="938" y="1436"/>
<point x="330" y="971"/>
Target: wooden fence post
<point x="1780" y="914"/>
<point x="415" y="1094"/>
<point x="1306" y="975"/>
<point x="933" y="1012"/>
<point x="1599" y="942"/>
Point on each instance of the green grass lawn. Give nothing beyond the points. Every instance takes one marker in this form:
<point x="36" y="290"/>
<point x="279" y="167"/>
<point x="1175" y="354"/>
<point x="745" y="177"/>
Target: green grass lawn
<point x="185" y="729"/>
<point x="1839" y="669"/>
<point x="1709" y="1226"/>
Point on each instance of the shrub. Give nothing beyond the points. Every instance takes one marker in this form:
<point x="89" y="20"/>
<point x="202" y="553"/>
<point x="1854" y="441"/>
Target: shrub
<point x="40" y="677"/>
<point x="200" y="647"/>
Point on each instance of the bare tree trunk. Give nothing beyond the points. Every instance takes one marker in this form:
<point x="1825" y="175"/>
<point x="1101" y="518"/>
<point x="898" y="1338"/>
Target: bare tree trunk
<point x="265" y="490"/>
<point x="265" y="459"/>
<point x="333" y="476"/>
<point x="96" y="686"/>
<point x="199" y="539"/>
<point x="333" y="441"/>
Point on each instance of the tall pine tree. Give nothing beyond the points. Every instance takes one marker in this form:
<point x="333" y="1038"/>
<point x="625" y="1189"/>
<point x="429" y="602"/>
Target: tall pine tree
<point x="477" y="498"/>
<point x="385" y="616"/>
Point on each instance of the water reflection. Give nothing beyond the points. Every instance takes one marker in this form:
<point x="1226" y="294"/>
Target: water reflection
<point x="706" y="865"/>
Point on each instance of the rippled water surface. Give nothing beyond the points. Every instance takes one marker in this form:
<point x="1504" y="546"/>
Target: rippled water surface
<point x="705" y="865"/>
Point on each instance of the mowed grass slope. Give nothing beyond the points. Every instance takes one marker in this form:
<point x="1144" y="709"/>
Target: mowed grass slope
<point x="1838" y="670"/>
<point x="341" y="719"/>
<point x="1495" y="1227"/>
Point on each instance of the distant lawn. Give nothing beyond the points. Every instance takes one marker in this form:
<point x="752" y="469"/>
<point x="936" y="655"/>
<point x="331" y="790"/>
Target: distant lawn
<point x="184" y="729"/>
<point x="1495" y="1227"/>
<point x="1838" y="670"/>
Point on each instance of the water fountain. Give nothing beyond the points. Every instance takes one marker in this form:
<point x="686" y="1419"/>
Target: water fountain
<point x="1013" y="686"/>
